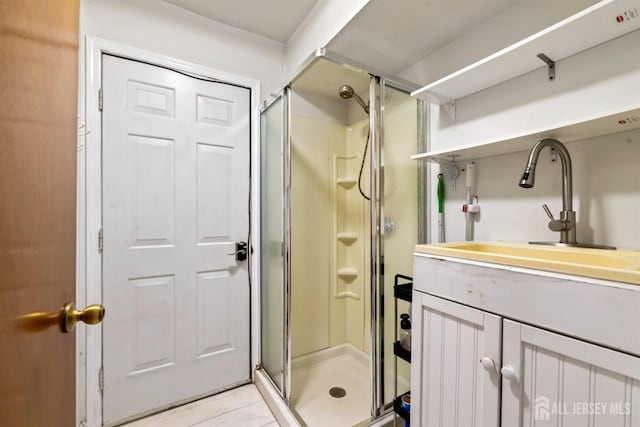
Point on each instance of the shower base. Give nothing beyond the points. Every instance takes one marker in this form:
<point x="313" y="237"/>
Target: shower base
<point x="313" y="375"/>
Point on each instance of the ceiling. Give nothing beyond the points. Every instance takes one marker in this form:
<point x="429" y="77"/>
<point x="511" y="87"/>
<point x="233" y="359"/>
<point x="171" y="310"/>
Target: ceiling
<point x="387" y="35"/>
<point x="274" y="19"/>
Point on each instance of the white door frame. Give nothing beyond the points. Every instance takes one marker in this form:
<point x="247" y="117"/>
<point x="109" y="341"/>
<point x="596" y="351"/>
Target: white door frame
<point x="89" y="222"/>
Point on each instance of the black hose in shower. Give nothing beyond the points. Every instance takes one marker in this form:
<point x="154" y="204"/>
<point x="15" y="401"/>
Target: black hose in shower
<point x="347" y="92"/>
<point x="364" y="155"/>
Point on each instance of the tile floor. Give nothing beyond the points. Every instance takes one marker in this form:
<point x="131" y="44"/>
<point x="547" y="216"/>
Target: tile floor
<point x="240" y="407"/>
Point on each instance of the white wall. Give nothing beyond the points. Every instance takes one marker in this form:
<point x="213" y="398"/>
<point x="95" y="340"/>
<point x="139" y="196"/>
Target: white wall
<point x="164" y="28"/>
<point x="606" y="195"/>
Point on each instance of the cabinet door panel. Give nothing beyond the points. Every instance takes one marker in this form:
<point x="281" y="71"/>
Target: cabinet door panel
<point x="449" y="385"/>
<point x="561" y="381"/>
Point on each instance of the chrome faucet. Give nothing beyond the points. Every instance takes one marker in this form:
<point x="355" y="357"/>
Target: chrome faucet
<point x="566" y="225"/>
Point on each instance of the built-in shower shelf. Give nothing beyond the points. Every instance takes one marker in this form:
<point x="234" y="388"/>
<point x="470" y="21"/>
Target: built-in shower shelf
<point x="346" y="182"/>
<point x="347" y="238"/>
<point x="347" y="273"/>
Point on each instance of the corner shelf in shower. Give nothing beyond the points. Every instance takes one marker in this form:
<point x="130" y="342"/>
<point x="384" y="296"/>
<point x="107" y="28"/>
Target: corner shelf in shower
<point x="346" y="182"/>
<point x="347" y="238"/>
<point x="347" y="273"/>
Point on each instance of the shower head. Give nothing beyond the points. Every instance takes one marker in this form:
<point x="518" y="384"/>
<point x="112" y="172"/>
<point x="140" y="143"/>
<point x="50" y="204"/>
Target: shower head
<point x="347" y="92"/>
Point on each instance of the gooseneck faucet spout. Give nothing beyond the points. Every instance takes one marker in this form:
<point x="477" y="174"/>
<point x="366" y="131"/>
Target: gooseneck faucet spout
<point x="566" y="225"/>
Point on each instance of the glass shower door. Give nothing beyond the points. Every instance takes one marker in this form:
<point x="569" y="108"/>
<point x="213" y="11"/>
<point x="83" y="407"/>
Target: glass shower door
<point x="272" y="241"/>
<point x="401" y="193"/>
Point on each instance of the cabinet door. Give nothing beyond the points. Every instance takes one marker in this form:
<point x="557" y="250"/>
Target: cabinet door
<point x="450" y="384"/>
<point x="554" y="380"/>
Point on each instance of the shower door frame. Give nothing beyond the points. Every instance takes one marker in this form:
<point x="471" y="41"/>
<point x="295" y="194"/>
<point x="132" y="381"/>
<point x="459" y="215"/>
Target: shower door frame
<point x="285" y="95"/>
<point x="377" y="89"/>
<point x="376" y="275"/>
<point x="379" y="406"/>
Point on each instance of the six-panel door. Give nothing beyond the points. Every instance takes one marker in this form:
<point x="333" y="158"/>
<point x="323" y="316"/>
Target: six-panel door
<point x="175" y="202"/>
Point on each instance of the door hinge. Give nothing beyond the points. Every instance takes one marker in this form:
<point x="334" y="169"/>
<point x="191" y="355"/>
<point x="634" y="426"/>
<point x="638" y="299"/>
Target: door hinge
<point x="100" y="99"/>
<point x="101" y="379"/>
<point x="100" y="240"/>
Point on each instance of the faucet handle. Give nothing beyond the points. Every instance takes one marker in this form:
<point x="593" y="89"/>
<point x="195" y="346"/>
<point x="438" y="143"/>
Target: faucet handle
<point x="557" y="224"/>
<point x="549" y="214"/>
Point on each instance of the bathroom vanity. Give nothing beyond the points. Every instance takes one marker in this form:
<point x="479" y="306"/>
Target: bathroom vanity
<point x="514" y="335"/>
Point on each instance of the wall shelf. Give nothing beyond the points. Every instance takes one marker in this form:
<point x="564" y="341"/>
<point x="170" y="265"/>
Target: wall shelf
<point x="347" y="238"/>
<point x="398" y="409"/>
<point x="346" y="182"/>
<point x="403" y="292"/>
<point x="400" y="351"/>
<point x="605" y="20"/>
<point x="347" y="273"/>
<point x="625" y="120"/>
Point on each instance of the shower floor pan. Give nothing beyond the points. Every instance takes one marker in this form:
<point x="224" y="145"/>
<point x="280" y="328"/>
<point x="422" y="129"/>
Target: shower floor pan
<point x="315" y="374"/>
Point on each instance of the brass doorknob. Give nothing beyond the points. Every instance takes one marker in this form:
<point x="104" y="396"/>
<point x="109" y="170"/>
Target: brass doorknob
<point x="91" y="315"/>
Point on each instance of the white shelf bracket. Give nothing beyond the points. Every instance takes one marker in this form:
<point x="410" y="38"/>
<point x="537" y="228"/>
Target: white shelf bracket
<point x="451" y="109"/>
<point x="551" y="65"/>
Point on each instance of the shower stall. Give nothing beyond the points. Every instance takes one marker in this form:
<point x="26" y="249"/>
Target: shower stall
<point x="342" y="207"/>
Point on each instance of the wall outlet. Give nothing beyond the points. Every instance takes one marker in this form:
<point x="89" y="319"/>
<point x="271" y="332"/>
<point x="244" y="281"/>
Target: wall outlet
<point x="627" y="15"/>
<point x="629" y="120"/>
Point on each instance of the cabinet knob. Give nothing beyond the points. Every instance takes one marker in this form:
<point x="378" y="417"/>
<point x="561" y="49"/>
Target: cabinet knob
<point x="488" y="364"/>
<point x="509" y="373"/>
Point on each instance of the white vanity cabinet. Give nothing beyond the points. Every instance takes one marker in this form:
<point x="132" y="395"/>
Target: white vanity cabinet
<point x="551" y="379"/>
<point x="475" y="363"/>
<point x="449" y="386"/>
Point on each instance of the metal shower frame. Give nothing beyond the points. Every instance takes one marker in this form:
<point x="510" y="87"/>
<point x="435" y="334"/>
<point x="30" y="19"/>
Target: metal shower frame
<point x="379" y="82"/>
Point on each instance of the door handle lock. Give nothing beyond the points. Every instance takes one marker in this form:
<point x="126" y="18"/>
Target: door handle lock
<point x="92" y="315"/>
<point x="240" y="252"/>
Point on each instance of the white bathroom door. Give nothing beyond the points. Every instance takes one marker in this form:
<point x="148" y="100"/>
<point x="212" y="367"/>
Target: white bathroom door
<point x="175" y="202"/>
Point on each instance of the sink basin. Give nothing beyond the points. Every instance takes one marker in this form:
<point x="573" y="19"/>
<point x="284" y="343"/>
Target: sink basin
<point x="620" y="266"/>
